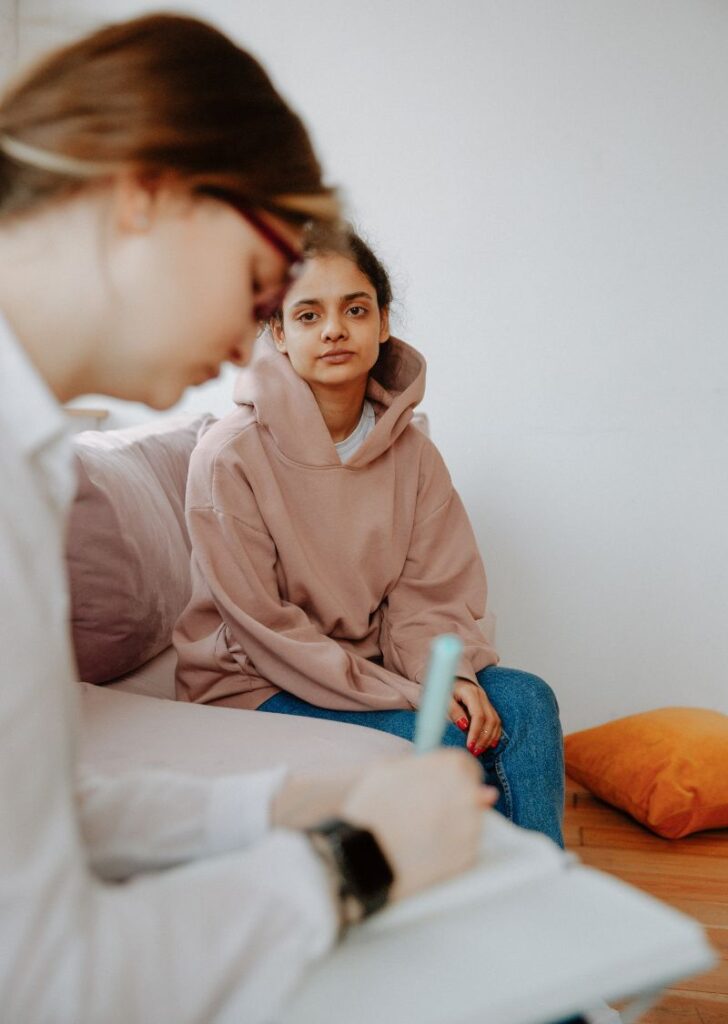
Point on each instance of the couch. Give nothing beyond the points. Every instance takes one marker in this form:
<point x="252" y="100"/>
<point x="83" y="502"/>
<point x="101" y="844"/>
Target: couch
<point x="128" y="567"/>
<point x="128" y="557"/>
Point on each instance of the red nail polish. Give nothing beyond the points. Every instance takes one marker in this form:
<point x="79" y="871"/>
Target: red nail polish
<point x="478" y="751"/>
<point x="471" y="748"/>
<point x="494" y="744"/>
<point x="463" y="724"/>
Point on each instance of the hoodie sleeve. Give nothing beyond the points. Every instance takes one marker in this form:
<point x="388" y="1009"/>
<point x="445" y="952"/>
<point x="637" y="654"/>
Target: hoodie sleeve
<point x="442" y="586"/>
<point x="234" y="565"/>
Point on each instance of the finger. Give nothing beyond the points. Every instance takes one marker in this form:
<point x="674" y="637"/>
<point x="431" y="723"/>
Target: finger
<point x="466" y="772"/>
<point x="480" y="718"/>
<point x="476" y="723"/>
<point x="471" y="769"/>
<point x="490" y="731"/>
<point x="458" y="716"/>
<point x="487" y="796"/>
<point x="469" y="696"/>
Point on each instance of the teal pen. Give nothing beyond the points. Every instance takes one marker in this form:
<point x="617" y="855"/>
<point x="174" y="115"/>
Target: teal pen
<point x="432" y="715"/>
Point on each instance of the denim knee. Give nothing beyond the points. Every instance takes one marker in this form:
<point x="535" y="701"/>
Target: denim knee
<point x="543" y="698"/>
<point x="520" y="696"/>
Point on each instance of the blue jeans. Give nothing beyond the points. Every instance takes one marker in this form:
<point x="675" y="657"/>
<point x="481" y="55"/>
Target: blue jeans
<point x="527" y="766"/>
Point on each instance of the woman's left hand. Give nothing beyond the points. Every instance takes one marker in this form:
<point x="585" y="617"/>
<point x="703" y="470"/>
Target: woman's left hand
<point x="484" y="729"/>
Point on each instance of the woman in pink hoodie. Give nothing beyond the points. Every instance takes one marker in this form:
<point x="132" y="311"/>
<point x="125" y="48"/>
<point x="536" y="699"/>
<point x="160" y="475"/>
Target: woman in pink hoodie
<point x="329" y="546"/>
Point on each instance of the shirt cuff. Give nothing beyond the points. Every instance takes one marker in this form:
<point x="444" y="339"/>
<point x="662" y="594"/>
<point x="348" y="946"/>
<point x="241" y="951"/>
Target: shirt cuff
<point x="239" y="808"/>
<point x="304" y="883"/>
<point x="465" y="670"/>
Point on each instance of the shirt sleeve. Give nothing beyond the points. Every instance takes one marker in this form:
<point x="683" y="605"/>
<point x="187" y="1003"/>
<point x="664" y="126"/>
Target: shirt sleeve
<point x="442" y="587"/>
<point x="222" y="939"/>
<point x="147" y="820"/>
<point x="233" y="563"/>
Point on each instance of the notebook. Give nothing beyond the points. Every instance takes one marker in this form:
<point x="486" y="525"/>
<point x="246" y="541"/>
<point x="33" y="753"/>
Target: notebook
<point x="529" y="936"/>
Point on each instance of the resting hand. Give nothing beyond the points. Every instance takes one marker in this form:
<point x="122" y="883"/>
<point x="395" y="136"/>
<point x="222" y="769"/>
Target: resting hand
<point x="484" y="725"/>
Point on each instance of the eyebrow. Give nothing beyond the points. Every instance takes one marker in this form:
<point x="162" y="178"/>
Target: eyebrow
<point x="344" y="298"/>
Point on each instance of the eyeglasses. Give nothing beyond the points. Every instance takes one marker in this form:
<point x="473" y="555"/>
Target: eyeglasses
<point x="264" y="309"/>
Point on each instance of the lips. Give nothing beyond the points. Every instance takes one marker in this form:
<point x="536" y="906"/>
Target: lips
<point x="340" y="356"/>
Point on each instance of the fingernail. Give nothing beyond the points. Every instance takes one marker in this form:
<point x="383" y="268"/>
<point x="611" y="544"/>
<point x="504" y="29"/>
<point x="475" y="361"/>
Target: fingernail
<point x="462" y="724"/>
<point x="478" y="751"/>
<point x="471" y="748"/>
<point x="494" y="744"/>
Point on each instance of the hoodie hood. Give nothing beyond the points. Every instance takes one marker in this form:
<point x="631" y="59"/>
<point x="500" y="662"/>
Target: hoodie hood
<point x="284" y="405"/>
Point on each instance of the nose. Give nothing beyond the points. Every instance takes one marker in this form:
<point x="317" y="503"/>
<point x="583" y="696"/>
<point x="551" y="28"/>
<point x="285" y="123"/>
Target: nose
<point x="333" y="328"/>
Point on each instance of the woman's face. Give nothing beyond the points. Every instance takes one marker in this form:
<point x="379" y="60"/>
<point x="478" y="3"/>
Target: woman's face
<point x="184" y="278"/>
<point x="332" y="325"/>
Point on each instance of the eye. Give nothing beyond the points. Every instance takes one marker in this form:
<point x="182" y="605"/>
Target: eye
<point x="358" y="311"/>
<point x="307" y="317"/>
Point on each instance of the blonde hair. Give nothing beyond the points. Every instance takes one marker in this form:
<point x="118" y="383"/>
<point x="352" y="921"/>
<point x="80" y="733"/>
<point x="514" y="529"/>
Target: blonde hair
<point x="158" y="94"/>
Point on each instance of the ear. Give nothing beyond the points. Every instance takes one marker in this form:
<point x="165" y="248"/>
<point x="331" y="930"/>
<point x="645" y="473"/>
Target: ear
<point x="279" y="338"/>
<point x="383" y="325"/>
<point x="134" y="202"/>
<point x="140" y="199"/>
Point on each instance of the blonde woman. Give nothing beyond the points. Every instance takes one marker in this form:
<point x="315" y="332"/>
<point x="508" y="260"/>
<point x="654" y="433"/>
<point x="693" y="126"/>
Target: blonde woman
<point x="153" y="185"/>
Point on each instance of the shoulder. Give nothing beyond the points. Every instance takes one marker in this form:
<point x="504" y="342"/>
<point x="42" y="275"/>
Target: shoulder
<point x="220" y="454"/>
<point x="434" y="485"/>
<point x="415" y="441"/>
<point x="226" y="440"/>
<point x="222" y="436"/>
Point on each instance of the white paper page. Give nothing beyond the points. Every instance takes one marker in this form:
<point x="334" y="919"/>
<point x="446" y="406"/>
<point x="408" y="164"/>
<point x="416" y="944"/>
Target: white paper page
<point x="532" y="954"/>
<point x="509" y="858"/>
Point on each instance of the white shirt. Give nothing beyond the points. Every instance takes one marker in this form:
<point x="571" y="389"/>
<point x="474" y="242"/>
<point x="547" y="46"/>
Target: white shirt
<point x="351" y="444"/>
<point x="223" y="936"/>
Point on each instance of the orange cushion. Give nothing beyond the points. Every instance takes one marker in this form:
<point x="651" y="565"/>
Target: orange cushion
<point x="667" y="768"/>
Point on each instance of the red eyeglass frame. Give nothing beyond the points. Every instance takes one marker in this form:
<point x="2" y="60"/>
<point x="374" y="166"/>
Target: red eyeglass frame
<point x="264" y="310"/>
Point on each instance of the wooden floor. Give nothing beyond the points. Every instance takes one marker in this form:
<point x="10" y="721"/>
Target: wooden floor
<point x="690" y="873"/>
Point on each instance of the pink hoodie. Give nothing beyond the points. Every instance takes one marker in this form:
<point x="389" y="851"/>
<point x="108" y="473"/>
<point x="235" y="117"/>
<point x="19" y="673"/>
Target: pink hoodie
<point x="322" y="579"/>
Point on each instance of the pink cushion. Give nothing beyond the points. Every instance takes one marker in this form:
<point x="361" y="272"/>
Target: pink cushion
<point x="127" y="549"/>
<point x="124" y="732"/>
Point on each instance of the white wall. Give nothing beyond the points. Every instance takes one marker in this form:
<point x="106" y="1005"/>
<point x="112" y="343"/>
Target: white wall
<point x="549" y="183"/>
<point x="8" y="37"/>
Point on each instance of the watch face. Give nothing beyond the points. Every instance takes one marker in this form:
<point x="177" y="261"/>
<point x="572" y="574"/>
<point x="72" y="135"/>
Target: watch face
<point x="367" y="866"/>
<point x="365" y="875"/>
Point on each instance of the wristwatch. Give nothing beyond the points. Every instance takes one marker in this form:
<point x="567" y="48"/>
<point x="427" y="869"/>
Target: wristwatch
<point x="361" y="874"/>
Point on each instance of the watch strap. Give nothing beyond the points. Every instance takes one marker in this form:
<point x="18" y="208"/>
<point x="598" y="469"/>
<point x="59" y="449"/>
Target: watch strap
<point x="361" y="874"/>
